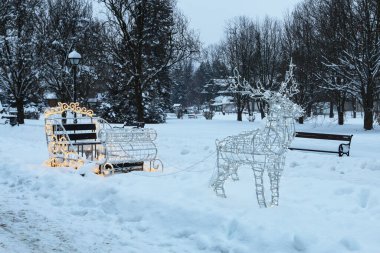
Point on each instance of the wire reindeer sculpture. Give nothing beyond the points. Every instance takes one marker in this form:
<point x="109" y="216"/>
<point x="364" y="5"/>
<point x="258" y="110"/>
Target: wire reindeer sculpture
<point x="261" y="149"/>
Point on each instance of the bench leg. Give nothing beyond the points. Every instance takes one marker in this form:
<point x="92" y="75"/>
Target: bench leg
<point x="344" y="149"/>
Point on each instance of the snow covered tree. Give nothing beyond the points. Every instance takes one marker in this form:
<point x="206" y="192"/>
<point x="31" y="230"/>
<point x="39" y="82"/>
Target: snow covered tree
<point x="301" y="44"/>
<point x="201" y="76"/>
<point x="68" y="25"/>
<point x="350" y="43"/>
<point x="333" y="24"/>
<point x="213" y="65"/>
<point x="182" y="75"/>
<point x="152" y="36"/>
<point x="268" y="57"/>
<point x="254" y="49"/>
<point x="19" y="61"/>
<point x="240" y="50"/>
<point x="359" y="64"/>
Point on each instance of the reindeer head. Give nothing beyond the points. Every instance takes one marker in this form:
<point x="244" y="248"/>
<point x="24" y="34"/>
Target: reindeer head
<point x="279" y="101"/>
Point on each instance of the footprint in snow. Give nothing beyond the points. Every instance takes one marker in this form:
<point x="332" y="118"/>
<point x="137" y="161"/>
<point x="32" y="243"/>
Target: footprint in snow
<point x="79" y="212"/>
<point x="363" y="198"/>
<point x="183" y="234"/>
<point x="299" y="244"/>
<point x="344" y="191"/>
<point x="133" y="219"/>
<point x="294" y="164"/>
<point x="185" y="152"/>
<point x="232" y="228"/>
<point x="350" y="244"/>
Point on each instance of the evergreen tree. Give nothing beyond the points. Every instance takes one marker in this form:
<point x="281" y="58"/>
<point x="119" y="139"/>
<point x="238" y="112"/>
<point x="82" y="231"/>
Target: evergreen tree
<point x="151" y="37"/>
<point x="19" y="61"/>
<point x="183" y="80"/>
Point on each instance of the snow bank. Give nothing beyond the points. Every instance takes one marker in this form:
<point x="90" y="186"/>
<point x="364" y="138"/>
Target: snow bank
<point x="327" y="203"/>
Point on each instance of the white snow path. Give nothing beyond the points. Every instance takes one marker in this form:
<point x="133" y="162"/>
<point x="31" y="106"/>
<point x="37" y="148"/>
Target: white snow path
<point x="327" y="203"/>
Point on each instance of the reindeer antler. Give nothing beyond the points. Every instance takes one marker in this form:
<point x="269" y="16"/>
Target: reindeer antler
<point x="244" y="88"/>
<point x="292" y="89"/>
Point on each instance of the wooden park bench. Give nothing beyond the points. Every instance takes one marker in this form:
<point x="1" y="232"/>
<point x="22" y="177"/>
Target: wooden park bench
<point x="11" y="119"/>
<point x="134" y="124"/>
<point x="191" y="116"/>
<point x="80" y="137"/>
<point x="343" y="148"/>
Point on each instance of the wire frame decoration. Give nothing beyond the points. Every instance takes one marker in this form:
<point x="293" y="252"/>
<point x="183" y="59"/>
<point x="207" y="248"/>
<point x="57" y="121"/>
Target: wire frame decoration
<point x="262" y="149"/>
<point x="75" y="137"/>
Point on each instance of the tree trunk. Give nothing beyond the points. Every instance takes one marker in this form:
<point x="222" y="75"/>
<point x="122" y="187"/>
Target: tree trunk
<point x="308" y="110"/>
<point x="240" y="115"/>
<point x="354" y="108"/>
<point x="331" y="110"/>
<point x="368" y="104"/>
<point x="368" y="119"/>
<point x="20" y="110"/>
<point x="239" y="107"/>
<point x="300" y="120"/>
<point x="139" y="101"/>
<point x="262" y="113"/>
<point x="249" y="109"/>
<point x="340" y="118"/>
<point x="261" y="106"/>
<point x="340" y="114"/>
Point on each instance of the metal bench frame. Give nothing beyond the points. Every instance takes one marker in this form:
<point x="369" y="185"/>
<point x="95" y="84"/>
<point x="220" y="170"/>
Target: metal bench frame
<point x="343" y="148"/>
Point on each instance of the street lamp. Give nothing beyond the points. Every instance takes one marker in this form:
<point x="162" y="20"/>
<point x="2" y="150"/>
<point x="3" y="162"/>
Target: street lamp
<point x="74" y="58"/>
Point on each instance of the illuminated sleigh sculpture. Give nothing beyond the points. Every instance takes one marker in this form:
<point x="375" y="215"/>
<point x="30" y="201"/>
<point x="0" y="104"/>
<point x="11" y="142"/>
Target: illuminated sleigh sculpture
<point x="80" y="138"/>
<point x="261" y="149"/>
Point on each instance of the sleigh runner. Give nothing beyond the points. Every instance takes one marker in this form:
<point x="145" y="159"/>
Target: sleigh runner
<point x="75" y="137"/>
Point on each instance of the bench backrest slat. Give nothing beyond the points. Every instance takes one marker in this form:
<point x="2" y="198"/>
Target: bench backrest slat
<point x="78" y="127"/>
<point x="80" y="136"/>
<point x="336" y="137"/>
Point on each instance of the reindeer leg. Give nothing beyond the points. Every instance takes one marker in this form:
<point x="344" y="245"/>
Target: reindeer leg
<point x="274" y="174"/>
<point x="222" y="174"/>
<point x="258" y="171"/>
<point x="234" y="168"/>
<point x="274" y="187"/>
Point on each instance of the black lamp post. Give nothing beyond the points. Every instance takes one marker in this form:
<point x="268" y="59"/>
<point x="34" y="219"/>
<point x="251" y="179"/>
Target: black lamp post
<point x="74" y="58"/>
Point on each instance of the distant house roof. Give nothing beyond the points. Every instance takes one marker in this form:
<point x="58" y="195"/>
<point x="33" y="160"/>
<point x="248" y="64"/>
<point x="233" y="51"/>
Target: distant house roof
<point x="223" y="100"/>
<point x="219" y="82"/>
<point x="92" y="100"/>
<point x="50" y="95"/>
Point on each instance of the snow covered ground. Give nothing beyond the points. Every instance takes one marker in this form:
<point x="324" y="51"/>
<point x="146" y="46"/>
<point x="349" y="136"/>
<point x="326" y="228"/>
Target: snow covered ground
<point x="327" y="203"/>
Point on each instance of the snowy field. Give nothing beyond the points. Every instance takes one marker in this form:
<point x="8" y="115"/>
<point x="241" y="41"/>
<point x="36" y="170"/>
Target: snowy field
<point x="327" y="204"/>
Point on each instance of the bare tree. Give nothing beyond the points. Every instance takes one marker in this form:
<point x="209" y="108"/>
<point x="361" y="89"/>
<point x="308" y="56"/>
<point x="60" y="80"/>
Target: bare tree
<point x="300" y="43"/>
<point x="333" y="25"/>
<point x="268" y="57"/>
<point x="68" y="25"/>
<point x="240" y="50"/>
<point x="360" y="62"/>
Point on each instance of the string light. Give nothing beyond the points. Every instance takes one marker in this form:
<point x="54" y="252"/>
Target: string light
<point x="113" y="145"/>
<point x="63" y="107"/>
<point x="261" y="149"/>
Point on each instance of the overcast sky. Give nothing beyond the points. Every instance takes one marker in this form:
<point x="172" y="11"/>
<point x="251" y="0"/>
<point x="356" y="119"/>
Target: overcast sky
<point x="209" y="16"/>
